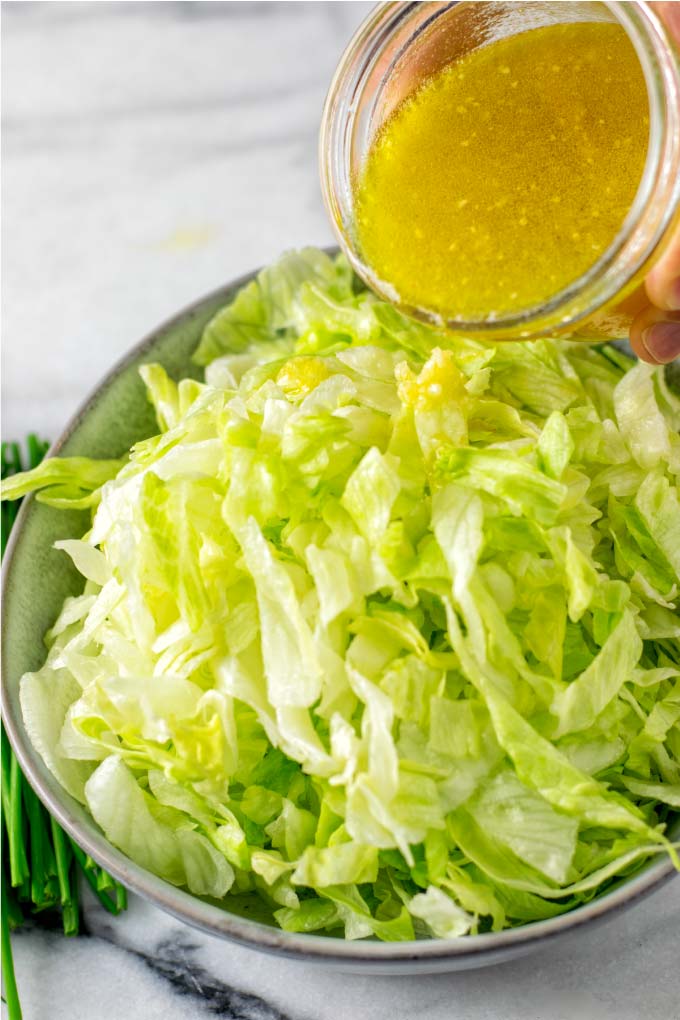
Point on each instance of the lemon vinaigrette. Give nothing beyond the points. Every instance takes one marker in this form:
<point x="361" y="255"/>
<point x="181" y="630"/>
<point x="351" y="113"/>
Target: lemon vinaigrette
<point x="507" y="174"/>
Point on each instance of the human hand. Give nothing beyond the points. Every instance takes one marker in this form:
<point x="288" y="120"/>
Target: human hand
<point x="655" y="332"/>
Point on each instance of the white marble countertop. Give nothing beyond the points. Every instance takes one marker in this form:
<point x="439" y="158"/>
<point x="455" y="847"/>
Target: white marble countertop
<point x="151" y="152"/>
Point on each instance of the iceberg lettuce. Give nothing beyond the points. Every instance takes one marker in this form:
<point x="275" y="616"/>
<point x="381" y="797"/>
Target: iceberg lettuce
<point x="381" y="628"/>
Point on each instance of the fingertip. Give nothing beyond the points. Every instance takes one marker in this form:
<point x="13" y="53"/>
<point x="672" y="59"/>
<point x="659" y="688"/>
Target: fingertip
<point x="662" y="342"/>
<point x="655" y="336"/>
<point x="662" y="288"/>
<point x="669" y="12"/>
<point x="640" y="350"/>
<point x="673" y="295"/>
<point x="663" y="279"/>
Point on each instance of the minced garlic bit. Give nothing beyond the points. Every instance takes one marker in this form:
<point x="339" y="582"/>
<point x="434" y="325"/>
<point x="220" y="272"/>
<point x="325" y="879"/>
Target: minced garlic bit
<point x="300" y="376"/>
<point x="439" y="382"/>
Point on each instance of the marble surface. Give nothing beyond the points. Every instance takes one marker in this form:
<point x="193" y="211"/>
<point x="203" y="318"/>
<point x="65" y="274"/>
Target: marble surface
<point x="145" y="966"/>
<point x="152" y="151"/>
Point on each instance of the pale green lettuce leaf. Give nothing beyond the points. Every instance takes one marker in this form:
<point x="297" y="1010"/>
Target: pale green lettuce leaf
<point x="379" y="634"/>
<point x="578" y="705"/>
<point x="658" y="504"/>
<point x="288" y="653"/>
<point x="342" y="864"/>
<point x="442" y="915"/>
<point x="555" y="445"/>
<point x="520" y="485"/>
<point x="525" y="822"/>
<point x="127" y="816"/>
<point x="65" y="482"/>
<point x="370" y="493"/>
<point x="640" y="418"/>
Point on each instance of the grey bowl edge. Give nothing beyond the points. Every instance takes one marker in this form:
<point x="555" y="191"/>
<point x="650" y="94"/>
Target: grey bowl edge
<point x="423" y="956"/>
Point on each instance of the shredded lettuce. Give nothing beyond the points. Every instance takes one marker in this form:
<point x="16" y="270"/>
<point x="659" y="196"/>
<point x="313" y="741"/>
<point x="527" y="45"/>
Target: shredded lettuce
<point x="381" y="628"/>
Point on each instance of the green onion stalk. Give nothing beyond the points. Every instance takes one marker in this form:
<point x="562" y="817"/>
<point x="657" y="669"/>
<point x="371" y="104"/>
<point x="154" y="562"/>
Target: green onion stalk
<point x="41" y="865"/>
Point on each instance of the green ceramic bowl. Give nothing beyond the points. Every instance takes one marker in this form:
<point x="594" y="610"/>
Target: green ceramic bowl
<point x="36" y="582"/>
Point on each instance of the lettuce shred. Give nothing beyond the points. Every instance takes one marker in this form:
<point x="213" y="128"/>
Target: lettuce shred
<point x="381" y="629"/>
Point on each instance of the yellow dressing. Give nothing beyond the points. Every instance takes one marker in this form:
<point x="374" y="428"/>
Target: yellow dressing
<point x="507" y="174"/>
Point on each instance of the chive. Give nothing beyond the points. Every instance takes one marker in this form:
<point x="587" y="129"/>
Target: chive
<point x="36" y="450"/>
<point x="40" y="864"/>
<point x="104" y="881"/>
<point x="121" y="897"/>
<point x="24" y="890"/>
<point x="39" y="849"/>
<point x="6" y="797"/>
<point x="11" y="463"/>
<point x="90" y="864"/>
<point x="70" y="912"/>
<point x="14" y="912"/>
<point x="64" y="857"/>
<point x="8" y="976"/>
<point x="49" y="895"/>
<point x="106" y="901"/>
<point x="18" y="862"/>
<point x="15" y="455"/>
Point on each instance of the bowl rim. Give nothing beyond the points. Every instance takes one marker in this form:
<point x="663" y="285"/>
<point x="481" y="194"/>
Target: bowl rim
<point x="470" y="951"/>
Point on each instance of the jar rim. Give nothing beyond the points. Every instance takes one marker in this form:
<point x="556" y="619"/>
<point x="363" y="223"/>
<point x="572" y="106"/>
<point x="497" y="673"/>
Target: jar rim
<point x="628" y="251"/>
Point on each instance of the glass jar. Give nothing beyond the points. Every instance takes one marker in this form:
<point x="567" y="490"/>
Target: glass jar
<point x="401" y="44"/>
